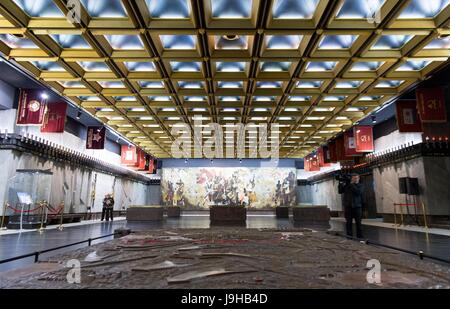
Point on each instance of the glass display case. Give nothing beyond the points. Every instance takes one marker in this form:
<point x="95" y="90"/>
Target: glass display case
<point x="28" y="198"/>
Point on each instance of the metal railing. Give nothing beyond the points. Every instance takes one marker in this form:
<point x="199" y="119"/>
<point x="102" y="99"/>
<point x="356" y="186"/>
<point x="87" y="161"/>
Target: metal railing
<point x="421" y="254"/>
<point x="38" y="253"/>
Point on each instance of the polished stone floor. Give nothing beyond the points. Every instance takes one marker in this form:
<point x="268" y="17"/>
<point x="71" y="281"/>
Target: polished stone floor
<point x="28" y="242"/>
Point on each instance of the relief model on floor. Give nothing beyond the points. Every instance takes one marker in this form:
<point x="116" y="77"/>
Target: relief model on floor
<point x="250" y="187"/>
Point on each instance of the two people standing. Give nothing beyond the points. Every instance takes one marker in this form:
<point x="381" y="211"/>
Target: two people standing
<point x="108" y="207"/>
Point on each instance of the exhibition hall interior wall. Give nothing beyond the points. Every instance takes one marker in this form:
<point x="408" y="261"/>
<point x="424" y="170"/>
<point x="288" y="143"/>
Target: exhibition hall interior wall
<point x="72" y="185"/>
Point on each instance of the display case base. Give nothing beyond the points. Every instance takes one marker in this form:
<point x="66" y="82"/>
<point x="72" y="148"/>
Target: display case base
<point x="282" y="212"/>
<point x="311" y="214"/>
<point x="228" y="215"/>
<point x="145" y="213"/>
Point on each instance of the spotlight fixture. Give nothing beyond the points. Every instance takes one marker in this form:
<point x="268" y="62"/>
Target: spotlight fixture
<point x="79" y="114"/>
<point x="231" y="37"/>
<point x="240" y="160"/>
<point x="44" y="96"/>
<point x="185" y="161"/>
<point x="374" y="118"/>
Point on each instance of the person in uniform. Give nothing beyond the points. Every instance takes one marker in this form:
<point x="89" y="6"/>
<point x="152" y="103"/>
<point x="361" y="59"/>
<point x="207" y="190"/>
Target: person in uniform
<point x="108" y="207"/>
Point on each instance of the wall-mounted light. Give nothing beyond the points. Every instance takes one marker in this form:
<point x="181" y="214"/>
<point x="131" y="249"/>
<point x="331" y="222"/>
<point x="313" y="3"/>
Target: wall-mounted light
<point x="44" y="96"/>
<point x="79" y="114"/>
<point x="374" y="119"/>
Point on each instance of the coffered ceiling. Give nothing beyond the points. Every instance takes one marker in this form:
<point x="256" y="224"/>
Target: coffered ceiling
<point x="312" y="67"/>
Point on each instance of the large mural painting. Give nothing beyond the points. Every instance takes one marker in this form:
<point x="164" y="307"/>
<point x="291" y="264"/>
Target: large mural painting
<point x="250" y="187"/>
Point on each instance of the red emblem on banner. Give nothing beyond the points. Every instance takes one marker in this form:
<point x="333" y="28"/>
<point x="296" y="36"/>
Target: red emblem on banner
<point x="363" y="138"/>
<point x="408" y="119"/>
<point x="431" y="104"/>
<point x="129" y="155"/>
<point x="32" y="107"/>
<point x="350" y="145"/>
<point x="55" y="118"/>
<point x="96" y="137"/>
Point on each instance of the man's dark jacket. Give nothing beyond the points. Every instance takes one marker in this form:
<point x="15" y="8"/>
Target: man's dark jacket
<point x="108" y="202"/>
<point x="352" y="195"/>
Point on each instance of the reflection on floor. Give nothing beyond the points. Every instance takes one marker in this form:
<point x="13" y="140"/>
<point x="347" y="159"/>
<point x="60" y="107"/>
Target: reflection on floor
<point x="24" y="243"/>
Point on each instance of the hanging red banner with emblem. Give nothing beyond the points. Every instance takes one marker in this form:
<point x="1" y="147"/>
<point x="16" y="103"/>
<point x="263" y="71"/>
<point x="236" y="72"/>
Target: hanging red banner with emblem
<point x="408" y="118"/>
<point x="306" y="163"/>
<point x="55" y="118"/>
<point x="129" y="155"/>
<point x="363" y="138"/>
<point x="340" y="149"/>
<point x="152" y="166"/>
<point x="431" y="104"/>
<point x="96" y="136"/>
<point x="350" y="145"/>
<point x="32" y="107"/>
<point x="312" y="163"/>
<point x="143" y="159"/>
<point x="332" y="151"/>
<point x="323" y="155"/>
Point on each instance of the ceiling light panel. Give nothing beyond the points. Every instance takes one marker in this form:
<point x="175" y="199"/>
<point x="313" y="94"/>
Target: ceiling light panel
<point x="40" y="8"/>
<point x="337" y="41"/>
<point x="128" y="42"/>
<point x="294" y="9"/>
<point x="359" y="9"/>
<point x="178" y="42"/>
<point x="423" y="9"/>
<point x="105" y="8"/>
<point x="169" y="9"/>
<point x="231" y="9"/>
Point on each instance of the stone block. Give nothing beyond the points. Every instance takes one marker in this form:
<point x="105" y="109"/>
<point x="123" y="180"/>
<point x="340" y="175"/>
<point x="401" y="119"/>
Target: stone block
<point x="282" y="212"/>
<point x="145" y="213"/>
<point x="228" y="215"/>
<point x="173" y="212"/>
<point x="311" y="213"/>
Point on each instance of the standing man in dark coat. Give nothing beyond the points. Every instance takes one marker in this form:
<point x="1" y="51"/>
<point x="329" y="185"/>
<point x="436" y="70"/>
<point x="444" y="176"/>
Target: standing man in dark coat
<point x="352" y="201"/>
<point x="108" y="206"/>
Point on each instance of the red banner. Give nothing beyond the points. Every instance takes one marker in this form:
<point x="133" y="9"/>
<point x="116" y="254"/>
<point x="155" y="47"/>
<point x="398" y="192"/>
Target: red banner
<point x="129" y="155"/>
<point x="96" y="137"/>
<point x="363" y="138"/>
<point x="340" y="149"/>
<point x="349" y="144"/>
<point x="431" y="104"/>
<point x="312" y="163"/>
<point x="142" y="160"/>
<point x="332" y="151"/>
<point x="152" y="166"/>
<point x="408" y="119"/>
<point x="32" y="107"/>
<point x="323" y="155"/>
<point x="55" y="118"/>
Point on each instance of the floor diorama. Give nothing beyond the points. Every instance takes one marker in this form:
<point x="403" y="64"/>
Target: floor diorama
<point x="232" y="258"/>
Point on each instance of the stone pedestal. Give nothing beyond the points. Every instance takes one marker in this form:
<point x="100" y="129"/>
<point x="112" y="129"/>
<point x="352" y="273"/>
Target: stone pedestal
<point x="173" y="212"/>
<point x="145" y="213"/>
<point x="228" y="215"/>
<point x="317" y="214"/>
<point x="282" y="212"/>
